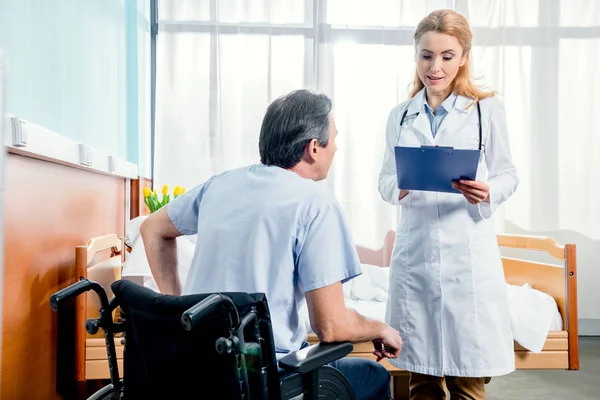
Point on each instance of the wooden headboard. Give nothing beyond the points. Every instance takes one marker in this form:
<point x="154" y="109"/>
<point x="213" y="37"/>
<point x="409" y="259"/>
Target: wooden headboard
<point x="381" y="256"/>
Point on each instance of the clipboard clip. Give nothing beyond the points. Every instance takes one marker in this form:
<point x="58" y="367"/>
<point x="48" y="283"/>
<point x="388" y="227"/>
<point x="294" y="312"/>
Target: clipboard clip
<point x="436" y="147"/>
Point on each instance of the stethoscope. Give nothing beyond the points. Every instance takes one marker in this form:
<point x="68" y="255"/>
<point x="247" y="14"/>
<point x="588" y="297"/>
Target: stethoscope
<point x="478" y="116"/>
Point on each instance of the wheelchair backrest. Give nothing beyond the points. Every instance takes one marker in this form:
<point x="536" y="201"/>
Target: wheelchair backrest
<point x="163" y="360"/>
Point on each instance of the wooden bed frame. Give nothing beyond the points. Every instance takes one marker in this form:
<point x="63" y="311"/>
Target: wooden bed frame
<point x="90" y="350"/>
<point x="561" y="350"/>
<point x="101" y="260"/>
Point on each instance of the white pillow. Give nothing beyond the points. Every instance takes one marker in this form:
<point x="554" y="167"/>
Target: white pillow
<point x="371" y="285"/>
<point x="532" y="313"/>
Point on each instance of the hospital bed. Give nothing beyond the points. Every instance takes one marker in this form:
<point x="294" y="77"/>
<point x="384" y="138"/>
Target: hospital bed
<point x="559" y="350"/>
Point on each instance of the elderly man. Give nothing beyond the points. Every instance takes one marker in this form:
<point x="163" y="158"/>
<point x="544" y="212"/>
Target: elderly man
<point x="272" y="228"/>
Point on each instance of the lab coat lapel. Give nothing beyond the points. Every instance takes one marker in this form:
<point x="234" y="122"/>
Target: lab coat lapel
<point x="421" y="123"/>
<point x="422" y="126"/>
<point x="453" y="122"/>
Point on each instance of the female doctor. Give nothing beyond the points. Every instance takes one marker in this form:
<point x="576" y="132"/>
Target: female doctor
<point x="447" y="289"/>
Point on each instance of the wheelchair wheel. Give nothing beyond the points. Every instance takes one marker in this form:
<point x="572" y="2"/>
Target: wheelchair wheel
<point x="333" y="385"/>
<point x="108" y="392"/>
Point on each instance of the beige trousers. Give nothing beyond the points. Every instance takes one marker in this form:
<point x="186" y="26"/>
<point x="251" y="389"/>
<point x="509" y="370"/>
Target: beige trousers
<point x="426" y="387"/>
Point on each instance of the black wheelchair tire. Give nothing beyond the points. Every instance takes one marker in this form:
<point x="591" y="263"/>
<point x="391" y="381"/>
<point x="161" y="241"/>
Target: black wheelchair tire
<point x="108" y="392"/>
<point x="333" y="385"/>
<point x="115" y="394"/>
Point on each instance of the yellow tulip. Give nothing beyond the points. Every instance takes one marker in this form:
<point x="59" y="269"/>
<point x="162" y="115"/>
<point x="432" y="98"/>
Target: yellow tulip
<point x="146" y="192"/>
<point x="176" y="190"/>
<point x="181" y="191"/>
<point x="154" y="193"/>
<point x="165" y="189"/>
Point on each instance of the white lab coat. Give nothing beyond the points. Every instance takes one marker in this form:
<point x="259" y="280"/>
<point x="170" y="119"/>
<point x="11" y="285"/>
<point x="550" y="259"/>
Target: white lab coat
<point x="447" y="295"/>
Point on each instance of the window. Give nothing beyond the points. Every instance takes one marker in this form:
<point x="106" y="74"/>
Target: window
<point x="224" y="61"/>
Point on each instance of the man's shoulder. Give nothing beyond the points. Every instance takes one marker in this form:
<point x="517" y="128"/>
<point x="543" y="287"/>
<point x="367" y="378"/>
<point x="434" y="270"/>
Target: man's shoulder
<point x="319" y="195"/>
<point x="238" y="173"/>
<point x="274" y="185"/>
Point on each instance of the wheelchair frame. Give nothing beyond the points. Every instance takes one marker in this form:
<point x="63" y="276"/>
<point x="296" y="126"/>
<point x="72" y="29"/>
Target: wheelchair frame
<point x="92" y="325"/>
<point x="307" y="364"/>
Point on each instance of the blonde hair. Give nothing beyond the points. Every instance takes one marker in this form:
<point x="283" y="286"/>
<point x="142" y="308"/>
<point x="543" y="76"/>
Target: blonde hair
<point x="454" y="24"/>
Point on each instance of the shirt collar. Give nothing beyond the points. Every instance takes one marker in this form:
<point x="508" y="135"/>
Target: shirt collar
<point x="418" y="102"/>
<point x="446" y="105"/>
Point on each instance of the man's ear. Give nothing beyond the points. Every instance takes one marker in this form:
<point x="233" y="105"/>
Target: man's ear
<point x="311" y="150"/>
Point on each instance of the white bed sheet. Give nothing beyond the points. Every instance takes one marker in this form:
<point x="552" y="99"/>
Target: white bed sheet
<point x="532" y="313"/>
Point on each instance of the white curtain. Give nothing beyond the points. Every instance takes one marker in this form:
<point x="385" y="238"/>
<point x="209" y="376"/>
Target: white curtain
<point x="220" y="63"/>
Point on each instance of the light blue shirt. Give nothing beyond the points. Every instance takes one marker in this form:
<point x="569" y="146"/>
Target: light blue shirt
<point x="435" y="120"/>
<point x="265" y="229"/>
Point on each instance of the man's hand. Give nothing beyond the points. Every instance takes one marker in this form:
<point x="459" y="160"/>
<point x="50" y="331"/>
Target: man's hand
<point x="474" y="191"/>
<point x="403" y="194"/>
<point x="388" y="345"/>
<point x="332" y="321"/>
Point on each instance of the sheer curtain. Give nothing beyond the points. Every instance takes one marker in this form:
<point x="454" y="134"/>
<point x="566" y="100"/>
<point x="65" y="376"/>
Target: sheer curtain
<point x="220" y="63"/>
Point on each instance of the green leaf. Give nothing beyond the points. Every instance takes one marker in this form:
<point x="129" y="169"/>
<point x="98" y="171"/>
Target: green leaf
<point x="154" y="203"/>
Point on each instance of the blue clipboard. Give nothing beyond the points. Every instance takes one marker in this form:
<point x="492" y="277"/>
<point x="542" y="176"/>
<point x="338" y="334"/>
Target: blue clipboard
<point x="433" y="169"/>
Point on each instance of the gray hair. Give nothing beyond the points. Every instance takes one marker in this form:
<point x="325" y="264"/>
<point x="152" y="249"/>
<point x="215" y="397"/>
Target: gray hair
<point x="290" y="123"/>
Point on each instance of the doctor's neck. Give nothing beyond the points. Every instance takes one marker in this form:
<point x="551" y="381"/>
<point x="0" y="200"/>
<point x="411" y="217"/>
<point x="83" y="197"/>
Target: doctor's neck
<point x="435" y="98"/>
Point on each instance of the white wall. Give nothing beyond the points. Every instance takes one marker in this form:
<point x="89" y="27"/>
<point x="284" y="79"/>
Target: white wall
<point x="67" y="62"/>
<point x="81" y="69"/>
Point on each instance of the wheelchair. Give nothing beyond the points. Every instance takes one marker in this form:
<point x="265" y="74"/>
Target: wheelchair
<point x="204" y="346"/>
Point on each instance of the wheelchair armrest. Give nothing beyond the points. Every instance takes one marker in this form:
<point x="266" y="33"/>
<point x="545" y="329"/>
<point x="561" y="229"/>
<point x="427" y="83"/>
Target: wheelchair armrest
<point x="315" y="356"/>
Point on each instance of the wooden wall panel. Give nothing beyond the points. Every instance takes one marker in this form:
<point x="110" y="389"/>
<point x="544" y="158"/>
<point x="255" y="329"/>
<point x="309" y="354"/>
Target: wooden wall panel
<point x="49" y="209"/>
<point x="138" y="207"/>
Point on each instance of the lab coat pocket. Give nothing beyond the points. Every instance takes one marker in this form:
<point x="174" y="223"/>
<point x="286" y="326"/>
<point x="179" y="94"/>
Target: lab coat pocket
<point x="473" y="210"/>
<point x="486" y="264"/>
<point x="406" y="199"/>
<point x="399" y="253"/>
<point x="400" y="245"/>
<point x="396" y="309"/>
<point x="485" y="252"/>
<point x="468" y="136"/>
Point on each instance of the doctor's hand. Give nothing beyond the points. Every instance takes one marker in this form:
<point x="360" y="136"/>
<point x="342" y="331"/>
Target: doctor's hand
<point x="474" y="191"/>
<point x="388" y="345"/>
<point x="403" y="194"/>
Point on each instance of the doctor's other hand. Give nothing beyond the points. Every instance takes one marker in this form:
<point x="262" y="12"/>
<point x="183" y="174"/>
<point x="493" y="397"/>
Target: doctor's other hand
<point x="403" y="194"/>
<point x="474" y="191"/>
<point x="388" y="345"/>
